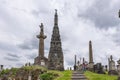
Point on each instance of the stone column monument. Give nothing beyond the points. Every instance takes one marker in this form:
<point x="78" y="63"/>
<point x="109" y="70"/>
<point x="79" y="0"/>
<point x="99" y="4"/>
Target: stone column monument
<point x="91" y="63"/>
<point x="41" y="59"/>
<point x="75" y="65"/>
<point x="112" y="70"/>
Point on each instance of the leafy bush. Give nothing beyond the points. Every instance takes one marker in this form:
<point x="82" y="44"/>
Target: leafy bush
<point x="49" y="75"/>
<point x="4" y="72"/>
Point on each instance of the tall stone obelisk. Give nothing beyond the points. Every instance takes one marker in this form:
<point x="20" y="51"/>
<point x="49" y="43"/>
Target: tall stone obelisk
<point x="75" y="65"/>
<point x="91" y="63"/>
<point x="55" y="58"/>
<point x="40" y="59"/>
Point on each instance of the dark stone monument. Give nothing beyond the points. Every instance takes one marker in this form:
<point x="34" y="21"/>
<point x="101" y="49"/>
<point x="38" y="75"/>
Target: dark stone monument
<point x="41" y="59"/>
<point x="56" y="58"/>
<point x="98" y="68"/>
<point x="75" y="65"/>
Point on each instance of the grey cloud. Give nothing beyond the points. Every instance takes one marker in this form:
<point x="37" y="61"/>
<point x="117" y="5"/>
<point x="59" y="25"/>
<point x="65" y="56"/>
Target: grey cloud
<point x="11" y="59"/>
<point x="29" y="44"/>
<point x="7" y="47"/>
<point x="20" y="64"/>
<point x="33" y="43"/>
<point x="31" y="56"/>
<point x="13" y="55"/>
<point x="116" y="37"/>
<point x="70" y="62"/>
<point x="101" y="14"/>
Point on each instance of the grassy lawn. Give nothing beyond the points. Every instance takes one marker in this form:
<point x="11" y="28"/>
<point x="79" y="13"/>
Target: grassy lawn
<point x="65" y="75"/>
<point x="94" y="76"/>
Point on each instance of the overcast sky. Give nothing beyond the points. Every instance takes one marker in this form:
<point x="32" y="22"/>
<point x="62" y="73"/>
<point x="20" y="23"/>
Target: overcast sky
<point x="79" y="22"/>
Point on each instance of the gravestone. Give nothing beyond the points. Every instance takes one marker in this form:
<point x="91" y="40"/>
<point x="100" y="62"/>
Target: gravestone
<point x="98" y="68"/>
<point x="112" y="70"/>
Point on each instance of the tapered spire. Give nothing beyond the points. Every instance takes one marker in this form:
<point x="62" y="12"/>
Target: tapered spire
<point x="55" y="57"/>
<point x="56" y="18"/>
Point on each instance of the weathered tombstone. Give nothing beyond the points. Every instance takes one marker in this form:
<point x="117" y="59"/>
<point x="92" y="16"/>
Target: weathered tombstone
<point x="118" y="69"/>
<point x="98" y="68"/>
<point x="112" y="70"/>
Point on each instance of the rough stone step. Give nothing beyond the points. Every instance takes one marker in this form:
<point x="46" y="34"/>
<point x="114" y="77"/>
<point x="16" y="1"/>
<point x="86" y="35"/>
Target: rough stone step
<point x="80" y="77"/>
<point x="77" y="74"/>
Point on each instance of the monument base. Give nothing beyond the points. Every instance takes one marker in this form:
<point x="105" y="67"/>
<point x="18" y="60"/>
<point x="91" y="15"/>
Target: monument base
<point x="113" y="72"/>
<point x="42" y="61"/>
<point x="91" y="66"/>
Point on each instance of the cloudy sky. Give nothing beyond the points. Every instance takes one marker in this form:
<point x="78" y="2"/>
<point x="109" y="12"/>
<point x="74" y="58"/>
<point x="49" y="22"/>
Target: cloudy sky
<point x="79" y="22"/>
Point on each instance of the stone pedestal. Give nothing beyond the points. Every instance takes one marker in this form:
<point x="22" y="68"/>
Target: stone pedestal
<point x="29" y="77"/>
<point x="91" y="66"/>
<point x="119" y="72"/>
<point x="41" y="61"/>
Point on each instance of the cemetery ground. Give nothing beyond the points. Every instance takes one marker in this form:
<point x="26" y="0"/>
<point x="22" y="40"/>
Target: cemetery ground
<point x="53" y="74"/>
<point x="95" y="76"/>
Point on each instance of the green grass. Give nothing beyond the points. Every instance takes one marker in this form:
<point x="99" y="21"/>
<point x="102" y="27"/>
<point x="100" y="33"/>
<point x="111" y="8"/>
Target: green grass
<point x="64" y="75"/>
<point x="95" y="76"/>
